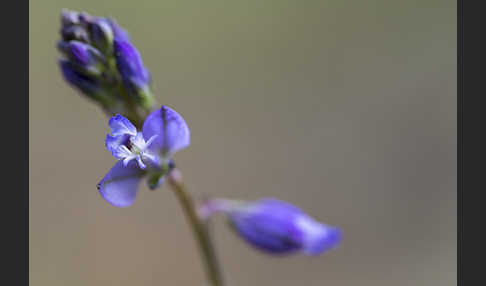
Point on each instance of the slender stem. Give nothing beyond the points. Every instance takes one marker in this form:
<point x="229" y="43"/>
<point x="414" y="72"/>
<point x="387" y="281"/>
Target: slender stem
<point x="199" y="228"/>
<point x="130" y="108"/>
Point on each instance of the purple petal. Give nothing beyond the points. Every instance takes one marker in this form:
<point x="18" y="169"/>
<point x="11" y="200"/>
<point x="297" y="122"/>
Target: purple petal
<point x="119" y="125"/>
<point x="268" y="233"/>
<point x="112" y="143"/>
<point x="138" y="140"/>
<point x="120" y="186"/>
<point x="116" y="145"/>
<point x="171" y="130"/>
<point x="80" y="52"/>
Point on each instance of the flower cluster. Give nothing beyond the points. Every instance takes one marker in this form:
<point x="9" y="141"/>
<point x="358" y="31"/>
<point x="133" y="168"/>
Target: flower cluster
<point x="100" y="61"/>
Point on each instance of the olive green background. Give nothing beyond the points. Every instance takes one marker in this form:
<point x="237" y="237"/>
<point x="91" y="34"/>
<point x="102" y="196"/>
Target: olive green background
<point x="344" y="108"/>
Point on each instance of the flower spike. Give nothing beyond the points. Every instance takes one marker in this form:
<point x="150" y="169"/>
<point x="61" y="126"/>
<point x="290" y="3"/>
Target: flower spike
<point x="99" y="48"/>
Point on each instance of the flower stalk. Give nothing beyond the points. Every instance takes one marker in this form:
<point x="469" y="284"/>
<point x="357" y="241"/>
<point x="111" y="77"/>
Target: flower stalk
<point x="199" y="228"/>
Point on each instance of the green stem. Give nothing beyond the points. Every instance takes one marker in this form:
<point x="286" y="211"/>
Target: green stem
<point x="199" y="228"/>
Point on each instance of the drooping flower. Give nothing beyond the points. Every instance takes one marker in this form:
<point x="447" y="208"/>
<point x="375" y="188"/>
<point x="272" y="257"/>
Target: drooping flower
<point x="141" y="154"/>
<point x="275" y="226"/>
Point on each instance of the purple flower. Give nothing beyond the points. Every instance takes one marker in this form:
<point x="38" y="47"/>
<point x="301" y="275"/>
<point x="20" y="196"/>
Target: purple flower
<point x="276" y="226"/>
<point x="143" y="153"/>
<point x="135" y="76"/>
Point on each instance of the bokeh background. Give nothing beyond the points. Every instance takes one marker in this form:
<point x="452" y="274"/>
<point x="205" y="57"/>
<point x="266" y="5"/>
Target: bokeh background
<point x="344" y="108"/>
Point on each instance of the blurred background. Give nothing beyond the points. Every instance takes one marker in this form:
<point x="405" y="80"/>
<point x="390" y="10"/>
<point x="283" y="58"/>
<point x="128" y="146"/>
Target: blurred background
<point x="345" y="108"/>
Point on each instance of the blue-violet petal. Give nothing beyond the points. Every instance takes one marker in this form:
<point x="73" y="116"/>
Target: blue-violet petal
<point x="120" y="186"/>
<point x="171" y="130"/>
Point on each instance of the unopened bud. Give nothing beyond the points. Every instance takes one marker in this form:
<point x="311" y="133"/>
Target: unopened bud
<point x="69" y="17"/>
<point x="135" y="76"/>
<point x="118" y="32"/>
<point x="101" y="35"/>
<point x="90" y="86"/>
<point x="83" y="55"/>
<point x="87" y="84"/>
<point x="77" y="33"/>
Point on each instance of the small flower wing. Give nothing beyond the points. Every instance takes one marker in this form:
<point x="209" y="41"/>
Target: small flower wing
<point x="119" y="125"/>
<point x="120" y="186"/>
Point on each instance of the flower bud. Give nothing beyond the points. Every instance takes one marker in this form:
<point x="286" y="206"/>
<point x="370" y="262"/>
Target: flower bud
<point x="89" y="85"/>
<point x="96" y="67"/>
<point x="276" y="227"/>
<point x="69" y="17"/>
<point x="86" y="84"/>
<point x="77" y="33"/>
<point x="135" y="76"/>
<point x="118" y="32"/>
<point x="72" y="28"/>
<point x="83" y="55"/>
<point x="101" y="35"/>
<point x="85" y="19"/>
